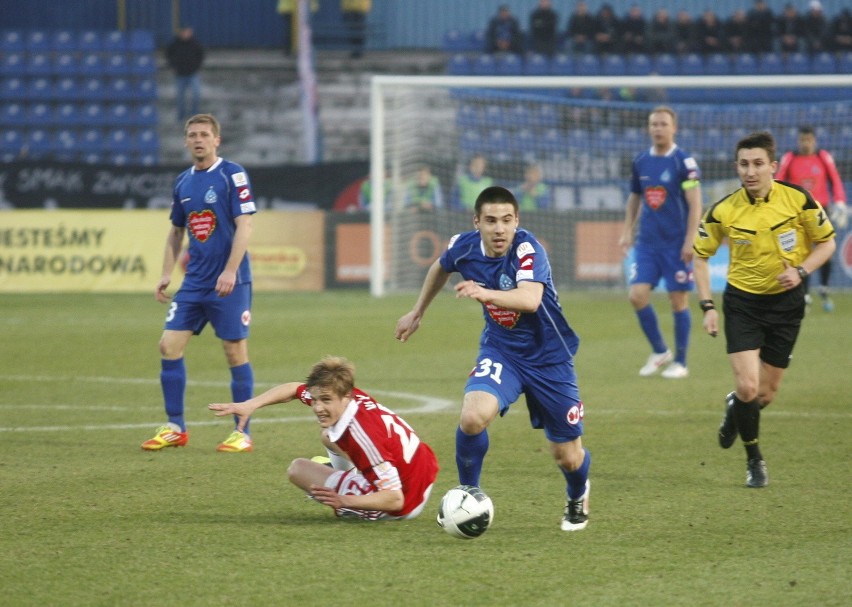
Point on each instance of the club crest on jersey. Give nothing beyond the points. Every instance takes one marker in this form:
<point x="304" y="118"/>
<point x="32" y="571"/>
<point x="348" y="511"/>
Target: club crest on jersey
<point x="201" y="224"/>
<point x="655" y="196"/>
<point x="210" y="197"/>
<point x="576" y="414"/>
<point x="787" y="241"/>
<point x="506" y="283"/>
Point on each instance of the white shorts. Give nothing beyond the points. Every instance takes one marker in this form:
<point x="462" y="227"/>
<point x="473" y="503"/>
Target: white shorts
<point x="352" y="482"/>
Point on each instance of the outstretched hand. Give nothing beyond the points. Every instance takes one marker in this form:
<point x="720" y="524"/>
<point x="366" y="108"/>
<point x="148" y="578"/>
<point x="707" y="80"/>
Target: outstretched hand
<point x="406" y="326"/>
<point x="238" y="409"/>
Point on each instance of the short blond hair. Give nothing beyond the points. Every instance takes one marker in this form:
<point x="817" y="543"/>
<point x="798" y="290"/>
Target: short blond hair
<point x="203" y="119"/>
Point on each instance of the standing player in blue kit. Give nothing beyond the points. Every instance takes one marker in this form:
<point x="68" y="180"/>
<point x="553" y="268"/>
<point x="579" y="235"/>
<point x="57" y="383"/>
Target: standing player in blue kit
<point x="665" y="201"/>
<point x="213" y="201"/>
<point x="526" y="346"/>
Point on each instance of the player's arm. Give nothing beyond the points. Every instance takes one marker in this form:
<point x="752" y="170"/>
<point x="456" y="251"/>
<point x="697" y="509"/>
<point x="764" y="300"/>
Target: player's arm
<point x="692" y="194"/>
<point x="701" y="272"/>
<point x="279" y="394"/>
<point x="174" y="242"/>
<point x="526" y="297"/>
<point x="228" y="277"/>
<point x="435" y="280"/>
<point x="386" y="500"/>
<point x="630" y="215"/>
<point x="839" y="214"/>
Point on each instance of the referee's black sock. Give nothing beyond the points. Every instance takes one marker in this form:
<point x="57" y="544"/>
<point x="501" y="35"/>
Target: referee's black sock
<point x="748" y="424"/>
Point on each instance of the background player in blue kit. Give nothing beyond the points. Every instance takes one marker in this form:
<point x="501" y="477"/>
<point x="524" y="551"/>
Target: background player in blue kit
<point x="665" y="200"/>
<point x="213" y="201"/>
<point x="526" y="346"/>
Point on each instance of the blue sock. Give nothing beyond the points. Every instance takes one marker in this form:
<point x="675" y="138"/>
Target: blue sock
<point x="242" y="386"/>
<point x="577" y="479"/>
<point x="470" y="452"/>
<point x="682" y="324"/>
<point x="648" y="322"/>
<point x="173" y="381"/>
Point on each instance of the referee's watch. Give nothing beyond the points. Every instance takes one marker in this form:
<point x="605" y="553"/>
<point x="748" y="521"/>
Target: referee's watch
<point x="803" y="273"/>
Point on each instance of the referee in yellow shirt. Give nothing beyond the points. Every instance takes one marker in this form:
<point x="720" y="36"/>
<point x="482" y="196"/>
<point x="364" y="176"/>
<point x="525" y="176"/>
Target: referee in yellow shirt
<point x="777" y="234"/>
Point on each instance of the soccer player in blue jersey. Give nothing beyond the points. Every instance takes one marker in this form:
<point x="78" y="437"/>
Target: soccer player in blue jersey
<point x="665" y="201"/>
<point x="527" y="347"/>
<point x="213" y="201"/>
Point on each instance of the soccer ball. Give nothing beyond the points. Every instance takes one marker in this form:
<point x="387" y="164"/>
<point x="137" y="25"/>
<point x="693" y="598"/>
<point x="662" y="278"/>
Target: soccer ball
<point x="465" y="512"/>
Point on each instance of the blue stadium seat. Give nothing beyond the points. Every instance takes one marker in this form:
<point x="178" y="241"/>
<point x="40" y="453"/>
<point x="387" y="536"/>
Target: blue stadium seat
<point x="39" y="115"/>
<point x="118" y="114"/>
<point x="12" y="114"/>
<point x="823" y="63"/>
<point x="587" y="64"/>
<point x="116" y="64"/>
<point x="143" y="64"/>
<point x="524" y="142"/>
<point x="64" y="62"/>
<point x="798" y="63"/>
<point x="40" y="89"/>
<point x="14" y="64"/>
<point x="518" y="115"/>
<point x="63" y="41"/>
<point x="89" y="40"/>
<point x="38" y="40"/>
<point x="577" y="139"/>
<point x="144" y="89"/>
<point x="455" y="41"/>
<point x="633" y="137"/>
<point x="90" y="140"/>
<point x="639" y="64"/>
<point x="745" y="64"/>
<point x="771" y="64"/>
<point x="68" y="113"/>
<point x="484" y="65"/>
<point x="691" y="64"/>
<point x="467" y="115"/>
<point x="536" y="65"/>
<point x="613" y="65"/>
<point x="562" y="65"/>
<point x="114" y="41"/>
<point x="140" y="41"/>
<point x="496" y="141"/>
<point x="118" y="141"/>
<point x="552" y="140"/>
<point x="458" y="65"/>
<point x="470" y="142"/>
<point x="12" y="41"/>
<point x="509" y="64"/>
<point x="66" y="89"/>
<point x="546" y="116"/>
<point x="92" y="157"/>
<point x="94" y="114"/>
<point x="717" y="64"/>
<point x="665" y="64"/>
<point x="38" y="144"/>
<point x="11" y="144"/>
<point x="91" y="64"/>
<point x="93" y="89"/>
<point x="492" y="115"/>
<point x="65" y="144"/>
<point x="13" y="89"/>
<point x="147" y="141"/>
<point x="844" y="63"/>
<point x="39" y="63"/>
<point x="144" y="115"/>
<point x="120" y="158"/>
<point x="477" y="40"/>
<point x="147" y="159"/>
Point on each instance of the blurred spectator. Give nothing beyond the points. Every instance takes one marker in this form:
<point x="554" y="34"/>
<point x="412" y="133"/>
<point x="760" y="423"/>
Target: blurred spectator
<point x="581" y="29"/>
<point x="185" y="56"/>
<point x="365" y="193"/>
<point x="470" y="183"/>
<point x="543" y="24"/>
<point x="661" y="35"/>
<point x="355" y="17"/>
<point x="816" y="28"/>
<point x="533" y="194"/>
<point x="709" y="32"/>
<point x="759" y="28"/>
<point x="634" y="31"/>
<point x="841" y="32"/>
<point x="424" y="191"/>
<point x="736" y="32"/>
<point x="790" y="30"/>
<point x="607" y="34"/>
<point x="684" y="31"/>
<point x="504" y="33"/>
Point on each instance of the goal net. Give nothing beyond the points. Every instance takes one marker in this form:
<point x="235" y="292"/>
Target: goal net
<point x="580" y="135"/>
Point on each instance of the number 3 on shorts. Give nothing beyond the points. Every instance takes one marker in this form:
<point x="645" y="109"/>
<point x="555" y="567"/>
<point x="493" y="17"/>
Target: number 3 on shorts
<point x="170" y="315"/>
<point x="485" y="368"/>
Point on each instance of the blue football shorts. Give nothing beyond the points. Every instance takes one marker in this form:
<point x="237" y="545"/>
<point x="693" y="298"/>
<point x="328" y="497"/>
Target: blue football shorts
<point x="651" y="264"/>
<point x="553" y="399"/>
<point x="230" y="316"/>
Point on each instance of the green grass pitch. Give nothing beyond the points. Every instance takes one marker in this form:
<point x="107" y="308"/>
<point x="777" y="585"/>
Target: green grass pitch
<point x="88" y="518"/>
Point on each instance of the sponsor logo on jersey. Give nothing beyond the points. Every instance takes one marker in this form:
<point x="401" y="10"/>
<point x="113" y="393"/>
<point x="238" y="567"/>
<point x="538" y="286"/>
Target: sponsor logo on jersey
<point x="247" y="207"/>
<point x="201" y="224"/>
<point x="787" y="240"/>
<point x="505" y="318"/>
<point x="576" y="414"/>
<point x="210" y="197"/>
<point x="690" y="163"/>
<point x="524" y="249"/>
<point x="243" y="193"/>
<point x="655" y="196"/>
<point x="240" y="179"/>
<point x="245" y="318"/>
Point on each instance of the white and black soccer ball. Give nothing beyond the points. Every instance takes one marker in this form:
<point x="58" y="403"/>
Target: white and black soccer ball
<point x="465" y="512"/>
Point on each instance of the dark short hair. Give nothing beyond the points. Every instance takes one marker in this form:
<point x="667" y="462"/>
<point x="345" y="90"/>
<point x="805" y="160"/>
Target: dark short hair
<point x="758" y="139"/>
<point x="495" y="194"/>
<point x="807" y="129"/>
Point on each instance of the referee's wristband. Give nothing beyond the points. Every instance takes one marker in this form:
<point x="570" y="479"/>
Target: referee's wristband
<point x="706" y="304"/>
<point x="803" y="273"/>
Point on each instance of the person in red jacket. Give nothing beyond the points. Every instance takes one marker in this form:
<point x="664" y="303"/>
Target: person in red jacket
<point x="814" y="169"/>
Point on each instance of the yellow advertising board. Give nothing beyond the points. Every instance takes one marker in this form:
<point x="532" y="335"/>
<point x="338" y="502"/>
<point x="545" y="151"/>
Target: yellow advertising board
<point x="122" y="250"/>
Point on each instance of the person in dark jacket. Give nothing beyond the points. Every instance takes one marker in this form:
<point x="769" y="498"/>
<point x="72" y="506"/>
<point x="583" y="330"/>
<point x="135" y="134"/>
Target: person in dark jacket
<point x="185" y="56"/>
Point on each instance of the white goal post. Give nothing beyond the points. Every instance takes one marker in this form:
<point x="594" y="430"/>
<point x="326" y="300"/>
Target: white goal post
<point x="583" y="139"/>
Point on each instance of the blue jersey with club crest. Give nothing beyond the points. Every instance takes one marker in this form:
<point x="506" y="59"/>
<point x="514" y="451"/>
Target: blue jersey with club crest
<point x="206" y="203"/>
<point x="542" y="337"/>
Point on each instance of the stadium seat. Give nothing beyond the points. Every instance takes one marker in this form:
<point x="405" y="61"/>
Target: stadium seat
<point x="562" y="65"/>
<point x="13" y="89"/>
<point x="147" y="159"/>
<point x="91" y="64"/>
<point x="587" y="64"/>
<point x="546" y="116"/>
<point x="496" y="141"/>
<point x="771" y="64"/>
<point x="493" y="115"/>
<point x="64" y="62"/>
<point x="14" y="64"/>
<point x="844" y="63"/>
<point x="11" y="143"/>
<point x="39" y="115"/>
<point x="12" y="41"/>
<point x="66" y="89"/>
<point x="552" y="140"/>
<point x="63" y="41"/>
<point x="38" y="144"/>
<point x="691" y="64"/>
<point x="120" y="89"/>
<point x="94" y="114"/>
<point x="143" y="115"/>
<point x="143" y="64"/>
<point x="639" y="64"/>
<point x="68" y="114"/>
<point x="467" y="115"/>
<point x="118" y="141"/>
<point x="823" y="63"/>
<point x="509" y="64"/>
<point x="141" y="41"/>
<point x="38" y="40"/>
<point x="147" y="141"/>
<point x="745" y="64"/>
<point x="143" y="89"/>
<point x="717" y="64"/>
<point x="93" y="89"/>
<point x="536" y="65"/>
<point x="518" y="115"/>
<point x="12" y="114"/>
<point x="458" y="65"/>
<point x="65" y="144"/>
<point x="484" y="65"/>
<point x="39" y="63"/>
<point x="665" y="64"/>
<point x="455" y="41"/>
<point x="89" y="40"/>
<point x="798" y="63"/>
<point x="118" y="114"/>
<point x="613" y="65"/>
<point x="90" y="140"/>
<point x="114" y="41"/>
<point x="116" y="64"/>
<point x="40" y="89"/>
<point x="477" y="40"/>
<point x="470" y="142"/>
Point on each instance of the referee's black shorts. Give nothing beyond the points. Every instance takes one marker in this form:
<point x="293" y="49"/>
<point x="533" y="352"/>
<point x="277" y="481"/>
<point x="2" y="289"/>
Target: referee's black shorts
<point x="769" y="323"/>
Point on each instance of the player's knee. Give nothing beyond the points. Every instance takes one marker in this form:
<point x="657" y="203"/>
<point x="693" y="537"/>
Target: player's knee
<point x="296" y="470"/>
